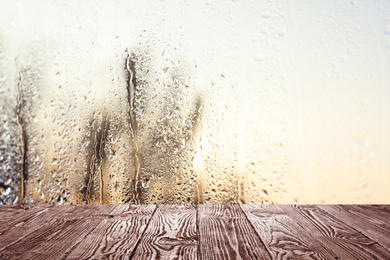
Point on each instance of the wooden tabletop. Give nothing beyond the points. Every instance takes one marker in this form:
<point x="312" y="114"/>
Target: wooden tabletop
<point x="195" y="232"/>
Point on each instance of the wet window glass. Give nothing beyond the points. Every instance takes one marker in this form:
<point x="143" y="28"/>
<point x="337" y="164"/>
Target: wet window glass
<point x="211" y="102"/>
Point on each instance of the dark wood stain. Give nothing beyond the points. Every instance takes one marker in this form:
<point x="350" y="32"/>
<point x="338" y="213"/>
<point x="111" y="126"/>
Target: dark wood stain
<point x="225" y="233"/>
<point x="195" y="232"/>
<point x="12" y="215"/>
<point x="171" y="234"/>
<point x="116" y="236"/>
<point x="283" y="238"/>
<point x="335" y="235"/>
<point x="379" y="212"/>
<point x="50" y="234"/>
<point x="363" y="220"/>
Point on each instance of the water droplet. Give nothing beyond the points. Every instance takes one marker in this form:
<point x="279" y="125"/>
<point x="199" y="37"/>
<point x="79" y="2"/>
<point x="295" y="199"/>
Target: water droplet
<point x="266" y="14"/>
<point x="260" y="56"/>
<point x="145" y="182"/>
<point x="387" y="29"/>
<point x="5" y="191"/>
<point x="282" y="31"/>
<point x="387" y="44"/>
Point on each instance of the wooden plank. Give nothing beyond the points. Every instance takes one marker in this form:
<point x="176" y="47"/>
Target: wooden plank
<point x="220" y="231"/>
<point x="17" y="214"/>
<point x="340" y="239"/>
<point x="28" y="222"/>
<point x="380" y="212"/>
<point x="63" y="226"/>
<point x="363" y="220"/>
<point x="171" y="234"/>
<point x="283" y="238"/>
<point x="68" y="238"/>
<point x="380" y="208"/>
<point x="23" y="234"/>
<point x="115" y="237"/>
<point x="9" y="213"/>
<point x="226" y="233"/>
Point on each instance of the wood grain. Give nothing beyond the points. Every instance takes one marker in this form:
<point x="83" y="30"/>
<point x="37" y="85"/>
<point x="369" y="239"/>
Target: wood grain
<point x="195" y="232"/>
<point x="340" y="239"/>
<point x="27" y="223"/>
<point x="58" y="229"/>
<point x="283" y="238"/>
<point x="225" y="233"/>
<point x="9" y="213"/>
<point x="379" y="212"/>
<point x="171" y="234"/>
<point x="115" y="237"/>
<point x="13" y="215"/>
<point x="365" y="221"/>
<point x="67" y="238"/>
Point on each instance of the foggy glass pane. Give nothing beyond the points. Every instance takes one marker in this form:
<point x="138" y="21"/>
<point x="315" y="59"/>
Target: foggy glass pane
<point x="194" y="102"/>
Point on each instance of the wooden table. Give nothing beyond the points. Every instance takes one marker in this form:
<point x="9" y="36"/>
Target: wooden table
<point x="195" y="232"/>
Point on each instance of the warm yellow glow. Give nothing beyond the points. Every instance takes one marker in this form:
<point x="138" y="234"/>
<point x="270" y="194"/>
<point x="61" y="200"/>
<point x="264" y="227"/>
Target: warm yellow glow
<point x="234" y="101"/>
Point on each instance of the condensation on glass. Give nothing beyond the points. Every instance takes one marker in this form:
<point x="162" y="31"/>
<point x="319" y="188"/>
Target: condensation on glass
<point x="194" y="102"/>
